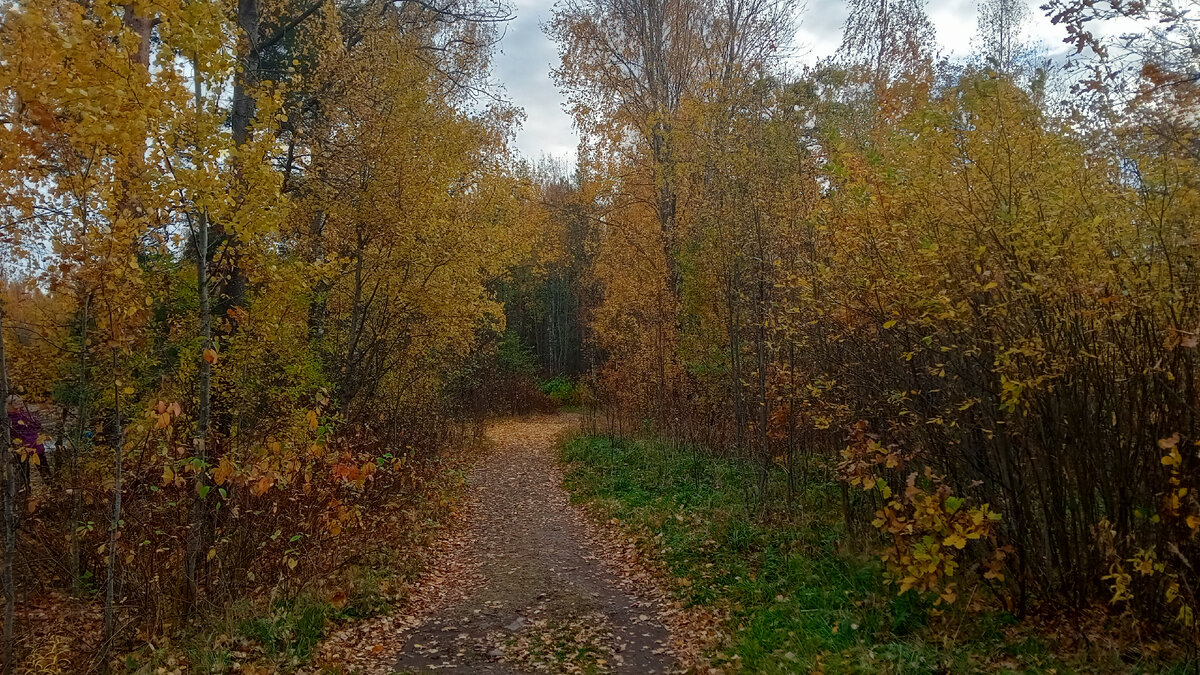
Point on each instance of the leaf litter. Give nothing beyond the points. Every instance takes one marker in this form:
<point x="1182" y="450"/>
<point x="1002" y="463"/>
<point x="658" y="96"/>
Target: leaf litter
<point x="526" y="582"/>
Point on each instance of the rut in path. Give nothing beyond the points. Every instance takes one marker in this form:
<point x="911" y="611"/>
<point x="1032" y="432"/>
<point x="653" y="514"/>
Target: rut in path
<point x="542" y="599"/>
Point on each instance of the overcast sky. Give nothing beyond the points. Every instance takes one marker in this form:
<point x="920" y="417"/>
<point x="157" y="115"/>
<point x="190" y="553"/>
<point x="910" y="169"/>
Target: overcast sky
<point x="523" y="66"/>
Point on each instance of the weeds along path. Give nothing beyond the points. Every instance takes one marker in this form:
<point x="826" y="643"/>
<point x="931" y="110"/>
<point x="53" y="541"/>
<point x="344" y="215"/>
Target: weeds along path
<point x="527" y="585"/>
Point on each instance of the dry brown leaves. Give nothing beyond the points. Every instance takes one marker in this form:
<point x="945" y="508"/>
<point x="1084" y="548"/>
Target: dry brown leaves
<point x="581" y="642"/>
<point x="693" y="630"/>
<point x="57" y="633"/>
<point x="576" y="645"/>
<point x="370" y="647"/>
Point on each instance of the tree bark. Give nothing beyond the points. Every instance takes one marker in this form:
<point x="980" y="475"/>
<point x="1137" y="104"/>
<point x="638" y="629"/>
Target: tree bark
<point x="234" y="283"/>
<point x="77" y="443"/>
<point x="114" y="524"/>
<point x="142" y="26"/>
<point x="317" y="307"/>
<point x="10" y="516"/>
<point x="196" y="532"/>
<point x="196" y="540"/>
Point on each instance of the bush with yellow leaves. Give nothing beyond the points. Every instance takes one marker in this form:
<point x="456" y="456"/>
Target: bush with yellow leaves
<point x="1161" y="570"/>
<point x="928" y="526"/>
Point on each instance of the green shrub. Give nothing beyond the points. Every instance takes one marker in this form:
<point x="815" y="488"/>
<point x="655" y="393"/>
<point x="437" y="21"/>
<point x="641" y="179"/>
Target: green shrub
<point x="560" y="389"/>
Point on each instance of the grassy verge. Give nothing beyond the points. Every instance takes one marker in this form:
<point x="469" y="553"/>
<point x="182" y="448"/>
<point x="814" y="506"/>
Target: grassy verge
<point x="796" y="601"/>
<point x="284" y="633"/>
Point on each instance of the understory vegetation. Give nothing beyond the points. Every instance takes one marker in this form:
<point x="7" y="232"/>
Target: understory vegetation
<point x="798" y="594"/>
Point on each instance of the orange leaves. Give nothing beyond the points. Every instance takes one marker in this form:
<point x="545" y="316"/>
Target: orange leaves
<point x="210" y="356"/>
<point x="861" y="458"/>
<point x="995" y="565"/>
<point x="780" y="421"/>
<point x="351" y="473"/>
<point x="340" y="517"/>
<point x="1175" y="338"/>
<point x="224" y="471"/>
<point x="165" y="413"/>
<point x="346" y="472"/>
<point x="338" y="599"/>
<point x="260" y="486"/>
<point x="40" y="114"/>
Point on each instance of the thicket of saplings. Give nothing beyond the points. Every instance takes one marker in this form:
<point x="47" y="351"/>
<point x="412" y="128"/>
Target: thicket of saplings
<point x="966" y="291"/>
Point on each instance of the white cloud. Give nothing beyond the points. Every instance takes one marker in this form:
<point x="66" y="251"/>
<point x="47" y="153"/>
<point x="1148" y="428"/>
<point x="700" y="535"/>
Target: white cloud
<point x="523" y="66"/>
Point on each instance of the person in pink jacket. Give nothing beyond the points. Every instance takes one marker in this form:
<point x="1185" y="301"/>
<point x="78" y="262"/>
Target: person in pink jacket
<point x="26" y="442"/>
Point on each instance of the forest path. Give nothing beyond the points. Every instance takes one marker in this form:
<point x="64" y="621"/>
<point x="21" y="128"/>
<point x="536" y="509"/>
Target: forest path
<point x="541" y="597"/>
<point x="530" y="584"/>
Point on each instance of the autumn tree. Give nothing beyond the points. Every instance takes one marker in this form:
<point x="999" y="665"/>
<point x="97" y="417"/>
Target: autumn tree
<point x="629" y="65"/>
<point x="930" y="282"/>
<point x="178" y="351"/>
<point x="644" y="77"/>
<point x="891" y="40"/>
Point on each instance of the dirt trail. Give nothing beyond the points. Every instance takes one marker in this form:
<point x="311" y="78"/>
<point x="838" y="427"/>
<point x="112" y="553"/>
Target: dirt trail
<point x="528" y="585"/>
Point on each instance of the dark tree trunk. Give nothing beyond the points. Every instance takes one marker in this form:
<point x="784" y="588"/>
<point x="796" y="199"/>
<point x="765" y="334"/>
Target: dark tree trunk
<point x="10" y="516"/>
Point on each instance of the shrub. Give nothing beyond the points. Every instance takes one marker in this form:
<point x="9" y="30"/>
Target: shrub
<point x="560" y="389"/>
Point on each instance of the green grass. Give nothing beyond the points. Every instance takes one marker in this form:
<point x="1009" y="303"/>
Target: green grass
<point x="797" y="600"/>
<point x="291" y="630"/>
<point x="281" y="634"/>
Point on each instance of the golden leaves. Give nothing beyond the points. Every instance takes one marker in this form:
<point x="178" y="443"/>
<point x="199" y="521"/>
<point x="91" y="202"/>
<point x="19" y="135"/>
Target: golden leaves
<point x="260" y="486"/>
<point x="225" y="469"/>
<point x="928" y="525"/>
<point x="956" y="540"/>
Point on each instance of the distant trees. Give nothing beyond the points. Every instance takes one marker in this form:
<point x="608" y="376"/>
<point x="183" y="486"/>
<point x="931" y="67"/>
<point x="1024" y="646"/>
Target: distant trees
<point x="655" y="87"/>
<point x="890" y="40"/>
<point x="1000" y="33"/>
<point x="548" y="302"/>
